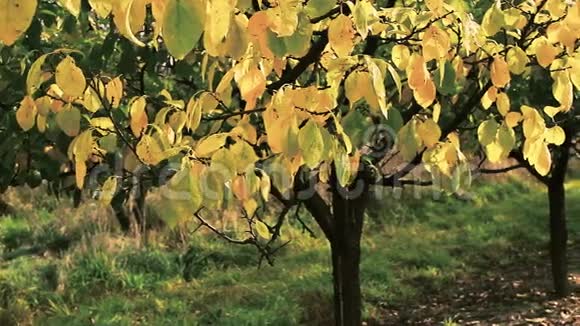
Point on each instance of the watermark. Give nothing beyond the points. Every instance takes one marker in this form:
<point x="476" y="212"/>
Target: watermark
<point x="379" y="146"/>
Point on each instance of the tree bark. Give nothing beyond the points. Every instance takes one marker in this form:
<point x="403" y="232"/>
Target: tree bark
<point x="118" y="205"/>
<point x="348" y="217"/>
<point x="558" y="228"/>
<point x="558" y="238"/>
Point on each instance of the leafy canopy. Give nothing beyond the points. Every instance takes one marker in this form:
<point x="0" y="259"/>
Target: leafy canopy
<point x="290" y="85"/>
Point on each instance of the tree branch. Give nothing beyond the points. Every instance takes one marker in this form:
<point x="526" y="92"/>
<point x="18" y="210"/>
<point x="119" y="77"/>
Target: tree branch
<point x="290" y="76"/>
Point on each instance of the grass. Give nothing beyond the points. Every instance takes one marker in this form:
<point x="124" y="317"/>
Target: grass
<point x="412" y="247"/>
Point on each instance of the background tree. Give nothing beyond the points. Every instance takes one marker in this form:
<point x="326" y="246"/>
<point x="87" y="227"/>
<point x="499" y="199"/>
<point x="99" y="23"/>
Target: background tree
<point x="298" y="86"/>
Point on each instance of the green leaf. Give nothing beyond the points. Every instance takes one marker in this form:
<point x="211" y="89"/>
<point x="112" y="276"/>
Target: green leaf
<point x="183" y="26"/>
<point x="317" y="8"/>
<point x="182" y="195"/>
<point x="35" y="77"/>
<point x="355" y="125"/>
<point x="487" y="131"/>
<point x="69" y="120"/>
<point x="298" y="43"/>
<point x="447" y="84"/>
<point x="395" y="120"/>
<point x="262" y="230"/>
<point x="409" y="140"/>
<point x="311" y="143"/>
<point x="342" y="165"/>
<point x="243" y="155"/>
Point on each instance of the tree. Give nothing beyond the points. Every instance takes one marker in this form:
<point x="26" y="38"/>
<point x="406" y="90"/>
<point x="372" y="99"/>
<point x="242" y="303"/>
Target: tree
<point x="300" y="85"/>
<point x="561" y="129"/>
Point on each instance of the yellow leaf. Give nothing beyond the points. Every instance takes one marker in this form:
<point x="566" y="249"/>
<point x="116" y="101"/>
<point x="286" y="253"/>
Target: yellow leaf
<point x="73" y="6"/>
<point x="489" y="97"/>
<point x="258" y="28"/>
<point x="434" y="5"/>
<point x="240" y="188"/>
<point x="555" y="135"/>
<point x="69" y="120"/>
<point x="35" y="75"/>
<point x="41" y="123"/>
<point x="512" y="119"/>
<point x="436" y="112"/>
<point x="425" y="95"/>
<point x="129" y="16"/>
<point x="26" y="113"/>
<point x="252" y="84"/>
<point x="517" y="60"/>
<point x="236" y="42"/>
<point x="494" y="152"/>
<point x="206" y="146"/>
<point x="265" y="186"/>
<point x="103" y="125"/>
<point x="503" y="103"/>
<point x="429" y="132"/>
<point x="149" y="150"/>
<point x="284" y="17"/>
<point x="493" y="20"/>
<point x="80" y="173"/>
<point x="114" y="92"/>
<point x="546" y="53"/>
<point x="563" y="34"/>
<point x="500" y="74"/>
<point x="417" y="72"/>
<point x="356" y="86"/>
<point x="81" y="147"/>
<point x="43" y="104"/>
<point x="400" y="56"/>
<point x="108" y="190"/>
<point x="70" y="78"/>
<point x="396" y="79"/>
<point x="378" y="87"/>
<point x="138" y="115"/>
<point x="246" y="131"/>
<point x="534" y="125"/>
<point x="544" y="161"/>
<point x="194" y="113"/>
<point x="364" y="15"/>
<point x="551" y="111"/>
<point x="218" y="23"/>
<point x="91" y="100"/>
<point x="341" y="35"/>
<point x="262" y="230"/>
<point x="563" y="91"/>
<point x="102" y="7"/>
<point x="15" y="18"/>
<point x="435" y="43"/>
<point x="177" y="121"/>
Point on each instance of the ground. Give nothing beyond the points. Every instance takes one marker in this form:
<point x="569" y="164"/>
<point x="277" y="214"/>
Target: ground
<point x="478" y="259"/>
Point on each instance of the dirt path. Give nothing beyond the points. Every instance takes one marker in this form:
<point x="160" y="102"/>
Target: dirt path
<point x="514" y="294"/>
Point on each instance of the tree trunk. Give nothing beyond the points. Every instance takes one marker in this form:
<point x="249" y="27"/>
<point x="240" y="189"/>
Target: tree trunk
<point x="558" y="237"/>
<point x="118" y="205"/>
<point x="348" y="217"/>
<point x="558" y="229"/>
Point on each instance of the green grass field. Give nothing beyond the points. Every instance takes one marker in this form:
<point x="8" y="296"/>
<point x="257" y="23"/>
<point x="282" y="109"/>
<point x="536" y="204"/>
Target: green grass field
<point x="410" y="252"/>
